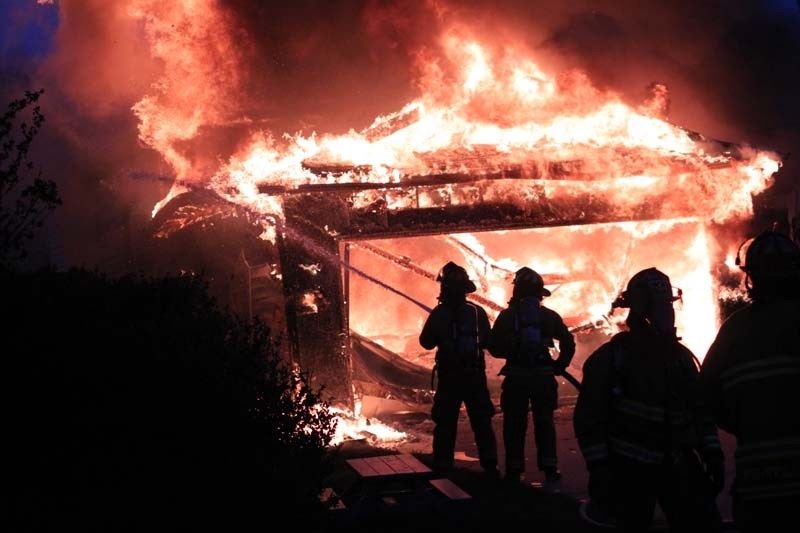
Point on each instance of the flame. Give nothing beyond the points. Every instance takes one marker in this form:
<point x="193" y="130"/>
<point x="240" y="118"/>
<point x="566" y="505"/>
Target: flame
<point x="195" y="41"/>
<point x="175" y="190"/>
<point x="352" y="426"/>
<point x="591" y="265"/>
<point x="502" y="109"/>
<point x="700" y="312"/>
<point x="482" y="110"/>
<point x="495" y="103"/>
<point x="309" y="303"/>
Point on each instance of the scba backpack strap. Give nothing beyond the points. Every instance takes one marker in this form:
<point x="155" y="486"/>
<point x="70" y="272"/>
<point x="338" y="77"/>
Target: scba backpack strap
<point x="531" y="344"/>
<point x="466" y="336"/>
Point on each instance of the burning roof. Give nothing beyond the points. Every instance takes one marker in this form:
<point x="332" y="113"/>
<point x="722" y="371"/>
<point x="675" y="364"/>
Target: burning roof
<point x="491" y="114"/>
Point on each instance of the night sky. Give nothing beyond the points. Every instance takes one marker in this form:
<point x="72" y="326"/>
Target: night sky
<point x="732" y="68"/>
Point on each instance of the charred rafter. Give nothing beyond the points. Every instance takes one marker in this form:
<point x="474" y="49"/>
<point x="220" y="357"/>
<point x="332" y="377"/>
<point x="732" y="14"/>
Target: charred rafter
<point x="487" y="162"/>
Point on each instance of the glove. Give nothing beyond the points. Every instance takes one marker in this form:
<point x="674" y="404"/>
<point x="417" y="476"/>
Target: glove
<point x="600" y="485"/>
<point x="716" y="473"/>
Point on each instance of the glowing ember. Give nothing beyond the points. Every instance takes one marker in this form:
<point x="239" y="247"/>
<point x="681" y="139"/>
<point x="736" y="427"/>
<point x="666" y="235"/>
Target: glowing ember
<point x="309" y="302"/>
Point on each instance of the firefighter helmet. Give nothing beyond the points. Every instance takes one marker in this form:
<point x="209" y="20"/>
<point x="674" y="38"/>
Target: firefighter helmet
<point x="455" y="277"/>
<point x="648" y="285"/>
<point x="649" y="296"/>
<point x="770" y="255"/>
<point x="530" y="279"/>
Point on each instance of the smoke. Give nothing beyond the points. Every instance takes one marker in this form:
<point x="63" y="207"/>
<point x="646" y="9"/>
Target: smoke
<point x="119" y="75"/>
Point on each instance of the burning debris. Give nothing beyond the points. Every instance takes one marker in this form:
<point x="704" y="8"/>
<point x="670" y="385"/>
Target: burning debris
<point x="352" y="426"/>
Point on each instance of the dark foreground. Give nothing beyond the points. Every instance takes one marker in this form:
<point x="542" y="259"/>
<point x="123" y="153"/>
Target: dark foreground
<point x="421" y="507"/>
<point x="531" y="505"/>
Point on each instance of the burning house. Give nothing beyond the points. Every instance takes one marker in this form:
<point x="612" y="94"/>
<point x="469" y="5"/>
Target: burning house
<point x="502" y="165"/>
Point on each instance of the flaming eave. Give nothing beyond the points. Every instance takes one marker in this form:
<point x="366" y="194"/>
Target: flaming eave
<point x="489" y="162"/>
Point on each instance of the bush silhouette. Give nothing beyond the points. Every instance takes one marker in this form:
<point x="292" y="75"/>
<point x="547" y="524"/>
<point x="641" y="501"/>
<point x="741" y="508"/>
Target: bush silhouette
<point x="137" y="404"/>
<point x="26" y="199"/>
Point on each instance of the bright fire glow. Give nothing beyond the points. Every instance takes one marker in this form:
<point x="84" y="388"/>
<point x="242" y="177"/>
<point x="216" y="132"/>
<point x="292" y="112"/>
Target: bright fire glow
<point x="700" y="311"/>
<point x="481" y="110"/>
<point x="350" y="426"/>
<point x="593" y="262"/>
<point x="497" y="105"/>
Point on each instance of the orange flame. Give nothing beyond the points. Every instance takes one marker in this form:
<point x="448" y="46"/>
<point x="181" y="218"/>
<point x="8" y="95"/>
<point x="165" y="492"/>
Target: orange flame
<point x="352" y="426"/>
<point x="481" y="109"/>
<point x="194" y="40"/>
<point x="591" y="265"/>
<point x="504" y="105"/>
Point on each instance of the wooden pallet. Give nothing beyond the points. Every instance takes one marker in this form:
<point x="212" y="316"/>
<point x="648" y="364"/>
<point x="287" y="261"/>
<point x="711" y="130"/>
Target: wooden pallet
<point x="388" y="467"/>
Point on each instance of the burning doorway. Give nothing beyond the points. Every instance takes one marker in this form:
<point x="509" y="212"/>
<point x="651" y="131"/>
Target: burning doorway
<point x="585" y="267"/>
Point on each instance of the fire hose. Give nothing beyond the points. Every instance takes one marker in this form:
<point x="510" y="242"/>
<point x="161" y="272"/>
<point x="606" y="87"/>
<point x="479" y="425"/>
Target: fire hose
<point x="569" y="377"/>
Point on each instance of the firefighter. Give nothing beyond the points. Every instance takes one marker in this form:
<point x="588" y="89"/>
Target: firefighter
<point x="643" y="430"/>
<point x="750" y="376"/>
<point x="523" y="335"/>
<point x="458" y="330"/>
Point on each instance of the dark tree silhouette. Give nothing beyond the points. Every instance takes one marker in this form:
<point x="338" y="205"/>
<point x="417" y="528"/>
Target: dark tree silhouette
<point x="26" y="199"/>
<point x="138" y="404"/>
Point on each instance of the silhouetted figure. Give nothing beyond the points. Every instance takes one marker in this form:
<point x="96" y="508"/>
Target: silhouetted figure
<point x="458" y="330"/>
<point x="750" y="375"/>
<point x="523" y="335"/>
<point x="645" y="434"/>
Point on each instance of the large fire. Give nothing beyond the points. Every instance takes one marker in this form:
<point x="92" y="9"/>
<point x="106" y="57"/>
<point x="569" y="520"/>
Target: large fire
<point x="483" y="110"/>
<point x="503" y="104"/>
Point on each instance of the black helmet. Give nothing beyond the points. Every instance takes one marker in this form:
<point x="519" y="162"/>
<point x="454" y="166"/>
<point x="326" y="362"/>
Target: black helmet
<point x="770" y="255"/>
<point x="455" y="277"/>
<point x="530" y="280"/>
<point x="648" y="285"/>
<point x="772" y="266"/>
<point x="649" y="296"/>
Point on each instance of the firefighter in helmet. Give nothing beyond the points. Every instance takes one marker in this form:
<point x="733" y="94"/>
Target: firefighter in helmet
<point x="750" y="377"/>
<point x="644" y="432"/>
<point x="458" y="330"/>
<point x="523" y="335"/>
